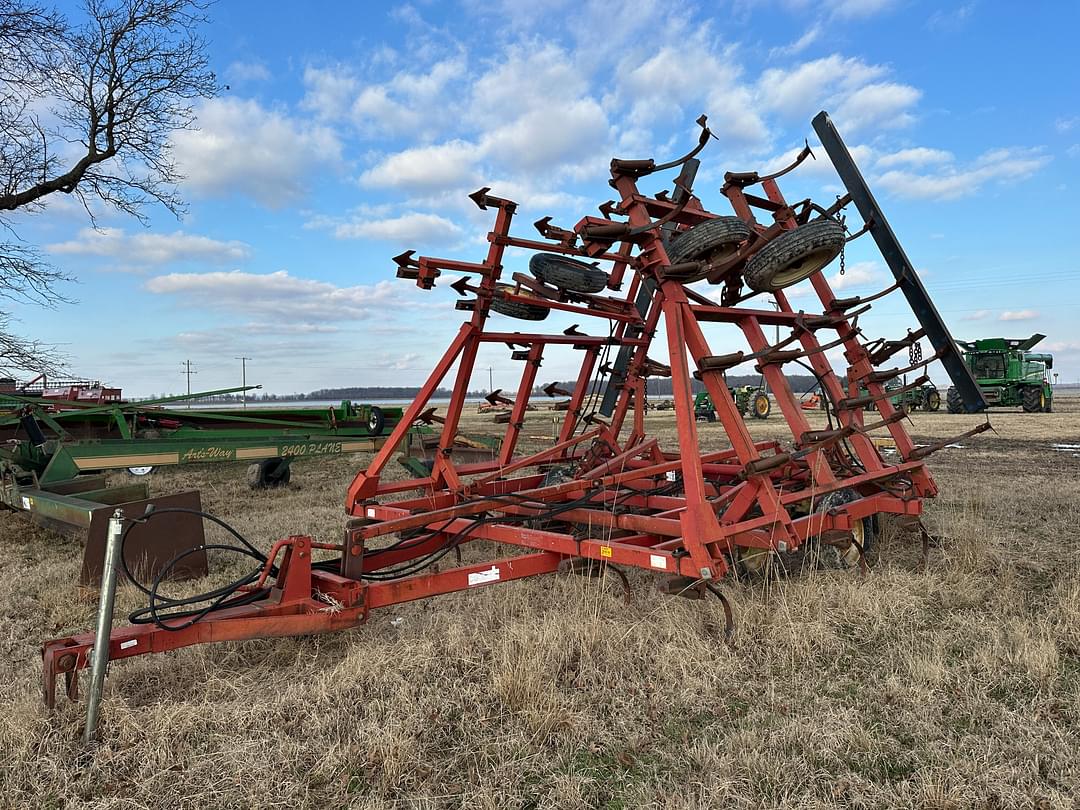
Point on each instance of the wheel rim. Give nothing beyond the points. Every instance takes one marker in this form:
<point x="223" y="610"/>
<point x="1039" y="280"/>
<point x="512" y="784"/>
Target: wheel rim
<point x="851" y="554"/>
<point x="1042" y="399"/>
<point x="803" y="267"/>
<point x="140" y="471"/>
<point x="762" y="404"/>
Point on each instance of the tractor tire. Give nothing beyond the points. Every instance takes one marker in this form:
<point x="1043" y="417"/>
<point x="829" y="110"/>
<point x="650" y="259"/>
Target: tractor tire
<point x="953" y="402"/>
<point x="931" y="400"/>
<point x="1049" y="405"/>
<point x="1032" y="400"/>
<point x="761" y="405"/>
<point x="517" y="309"/>
<point x="269" y="473"/>
<point x="815" y="554"/>
<point x="794" y="255"/>
<point x="714" y="240"/>
<point x="376" y="422"/>
<point x="567" y="274"/>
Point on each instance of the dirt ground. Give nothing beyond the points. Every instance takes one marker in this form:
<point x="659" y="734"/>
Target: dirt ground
<point x="954" y="688"/>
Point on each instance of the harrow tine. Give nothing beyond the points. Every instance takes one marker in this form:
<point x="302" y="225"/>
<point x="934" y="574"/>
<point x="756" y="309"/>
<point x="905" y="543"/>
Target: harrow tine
<point x="922" y="452"/>
<point x="729" y="620"/>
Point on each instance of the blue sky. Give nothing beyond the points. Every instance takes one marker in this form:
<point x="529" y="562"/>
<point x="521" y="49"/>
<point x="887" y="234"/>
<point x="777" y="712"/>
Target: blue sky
<point x="350" y="133"/>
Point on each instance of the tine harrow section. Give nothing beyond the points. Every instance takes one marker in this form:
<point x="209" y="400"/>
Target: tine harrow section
<point x="605" y="490"/>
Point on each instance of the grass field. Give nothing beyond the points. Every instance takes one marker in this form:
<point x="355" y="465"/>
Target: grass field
<point x="954" y="688"/>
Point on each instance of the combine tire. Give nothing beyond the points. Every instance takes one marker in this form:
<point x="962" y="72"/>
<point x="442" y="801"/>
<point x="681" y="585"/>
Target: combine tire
<point x="953" y="402"/>
<point x="932" y="401"/>
<point x="269" y="473"/>
<point x="517" y="309"/>
<point x="715" y="240"/>
<point x="1049" y="405"/>
<point x="794" y="255"/>
<point x="567" y="274"/>
<point x="1033" y="400"/>
<point x="376" y="421"/>
<point x="761" y="406"/>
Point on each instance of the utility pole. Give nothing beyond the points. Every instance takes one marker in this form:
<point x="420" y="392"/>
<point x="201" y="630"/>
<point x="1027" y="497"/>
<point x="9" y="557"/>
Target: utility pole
<point x="243" y="377"/>
<point x="188" y="372"/>
<point x="491" y="384"/>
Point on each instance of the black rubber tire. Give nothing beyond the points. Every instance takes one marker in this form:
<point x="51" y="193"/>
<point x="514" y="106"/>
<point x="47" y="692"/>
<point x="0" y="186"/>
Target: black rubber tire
<point x="1032" y="400"/>
<point x="567" y="274"/>
<point x="794" y="255"/>
<point x="764" y="411"/>
<point x="953" y="402"/>
<point x="268" y="473"/>
<point x="516" y="309"/>
<point x="1049" y="405"/>
<point x="813" y="554"/>
<point x="706" y="241"/>
<point x="376" y="421"/>
<point x="932" y="400"/>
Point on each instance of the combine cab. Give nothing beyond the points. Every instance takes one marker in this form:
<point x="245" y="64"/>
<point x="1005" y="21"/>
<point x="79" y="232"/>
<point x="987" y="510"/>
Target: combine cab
<point x="1008" y="374"/>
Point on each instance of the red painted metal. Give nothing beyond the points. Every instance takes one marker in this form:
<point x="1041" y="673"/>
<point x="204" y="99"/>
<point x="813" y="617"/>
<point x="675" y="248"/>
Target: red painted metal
<point x="604" y="490"/>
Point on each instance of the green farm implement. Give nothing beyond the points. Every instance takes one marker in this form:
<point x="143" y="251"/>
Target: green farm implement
<point x="1009" y="374"/>
<point x="55" y="452"/>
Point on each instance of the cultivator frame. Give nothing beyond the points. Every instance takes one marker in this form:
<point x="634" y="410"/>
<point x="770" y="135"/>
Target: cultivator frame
<point x="605" y="491"/>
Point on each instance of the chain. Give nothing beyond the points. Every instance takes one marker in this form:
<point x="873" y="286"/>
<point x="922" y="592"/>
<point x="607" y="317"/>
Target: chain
<point x="843" y="246"/>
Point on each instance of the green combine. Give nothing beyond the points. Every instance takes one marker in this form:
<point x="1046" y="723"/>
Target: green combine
<point x="1008" y="374"/>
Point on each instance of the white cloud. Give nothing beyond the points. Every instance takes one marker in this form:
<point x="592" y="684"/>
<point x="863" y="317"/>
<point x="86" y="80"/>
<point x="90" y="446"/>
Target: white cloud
<point x="243" y="148"/>
<point x="408" y="103"/>
<point x="858" y="274"/>
<point x="1066" y="124"/>
<point x="855" y="9"/>
<point x="549" y="136"/>
<point x="882" y="104"/>
<point x="953" y="20"/>
<point x="951" y="182"/>
<point x="799" y="92"/>
<point x="329" y="92"/>
<point x="275" y="295"/>
<point x="812" y="35"/>
<point x="411" y="228"/>
<point x="1018" y="315"/>
<point x="916" y="156"/>
<point x="977" y="315"/>
<point x="254" y="71"/>
<point x="151" y="248"/>
<point x="660" y="88"/>
<point x="525" y="76"/>
<point x="426" y="168"/>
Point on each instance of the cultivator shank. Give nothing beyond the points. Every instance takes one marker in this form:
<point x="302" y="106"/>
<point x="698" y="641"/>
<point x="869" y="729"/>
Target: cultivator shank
<point x="605" y="490"/>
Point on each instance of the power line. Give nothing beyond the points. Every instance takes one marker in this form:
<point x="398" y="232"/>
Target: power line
<point x="188" y="372"/>
<point x="243" y="377"/>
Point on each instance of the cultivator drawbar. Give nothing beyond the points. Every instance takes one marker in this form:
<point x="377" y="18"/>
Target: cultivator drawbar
<point x="605" y="491"/>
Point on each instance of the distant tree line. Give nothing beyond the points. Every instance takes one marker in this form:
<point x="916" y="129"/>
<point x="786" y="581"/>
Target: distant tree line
<point x="657" y="387"/>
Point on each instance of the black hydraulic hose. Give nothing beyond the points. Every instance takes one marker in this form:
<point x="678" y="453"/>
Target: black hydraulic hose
<point x="219" y="597"/>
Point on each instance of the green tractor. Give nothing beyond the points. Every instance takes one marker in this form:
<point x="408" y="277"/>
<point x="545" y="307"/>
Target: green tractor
<point x="750" y="398"/>
<point x="924" y="398"/>
<point x="1008" y="373"/>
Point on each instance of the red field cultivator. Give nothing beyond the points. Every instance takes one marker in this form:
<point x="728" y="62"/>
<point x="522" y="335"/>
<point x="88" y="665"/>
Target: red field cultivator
<point x="605" y="492"/>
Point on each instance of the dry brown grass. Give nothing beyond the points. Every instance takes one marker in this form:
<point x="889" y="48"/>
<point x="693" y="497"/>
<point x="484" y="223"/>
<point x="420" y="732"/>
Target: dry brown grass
<point x="958" y="688"/>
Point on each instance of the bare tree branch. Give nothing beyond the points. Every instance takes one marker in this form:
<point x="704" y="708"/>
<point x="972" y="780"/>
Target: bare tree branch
<point x="88" y="109"/>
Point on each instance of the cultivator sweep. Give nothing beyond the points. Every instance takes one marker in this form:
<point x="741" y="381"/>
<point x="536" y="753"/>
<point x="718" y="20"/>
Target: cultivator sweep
<point x="606" y="492"/>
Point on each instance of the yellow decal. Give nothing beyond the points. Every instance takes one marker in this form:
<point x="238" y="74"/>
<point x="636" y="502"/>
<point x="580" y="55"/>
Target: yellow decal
<point x="605" y="551"/>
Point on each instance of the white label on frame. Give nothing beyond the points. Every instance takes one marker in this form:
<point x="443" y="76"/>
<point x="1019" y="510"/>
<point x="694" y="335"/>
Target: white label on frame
<point x="484" y="577"/>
